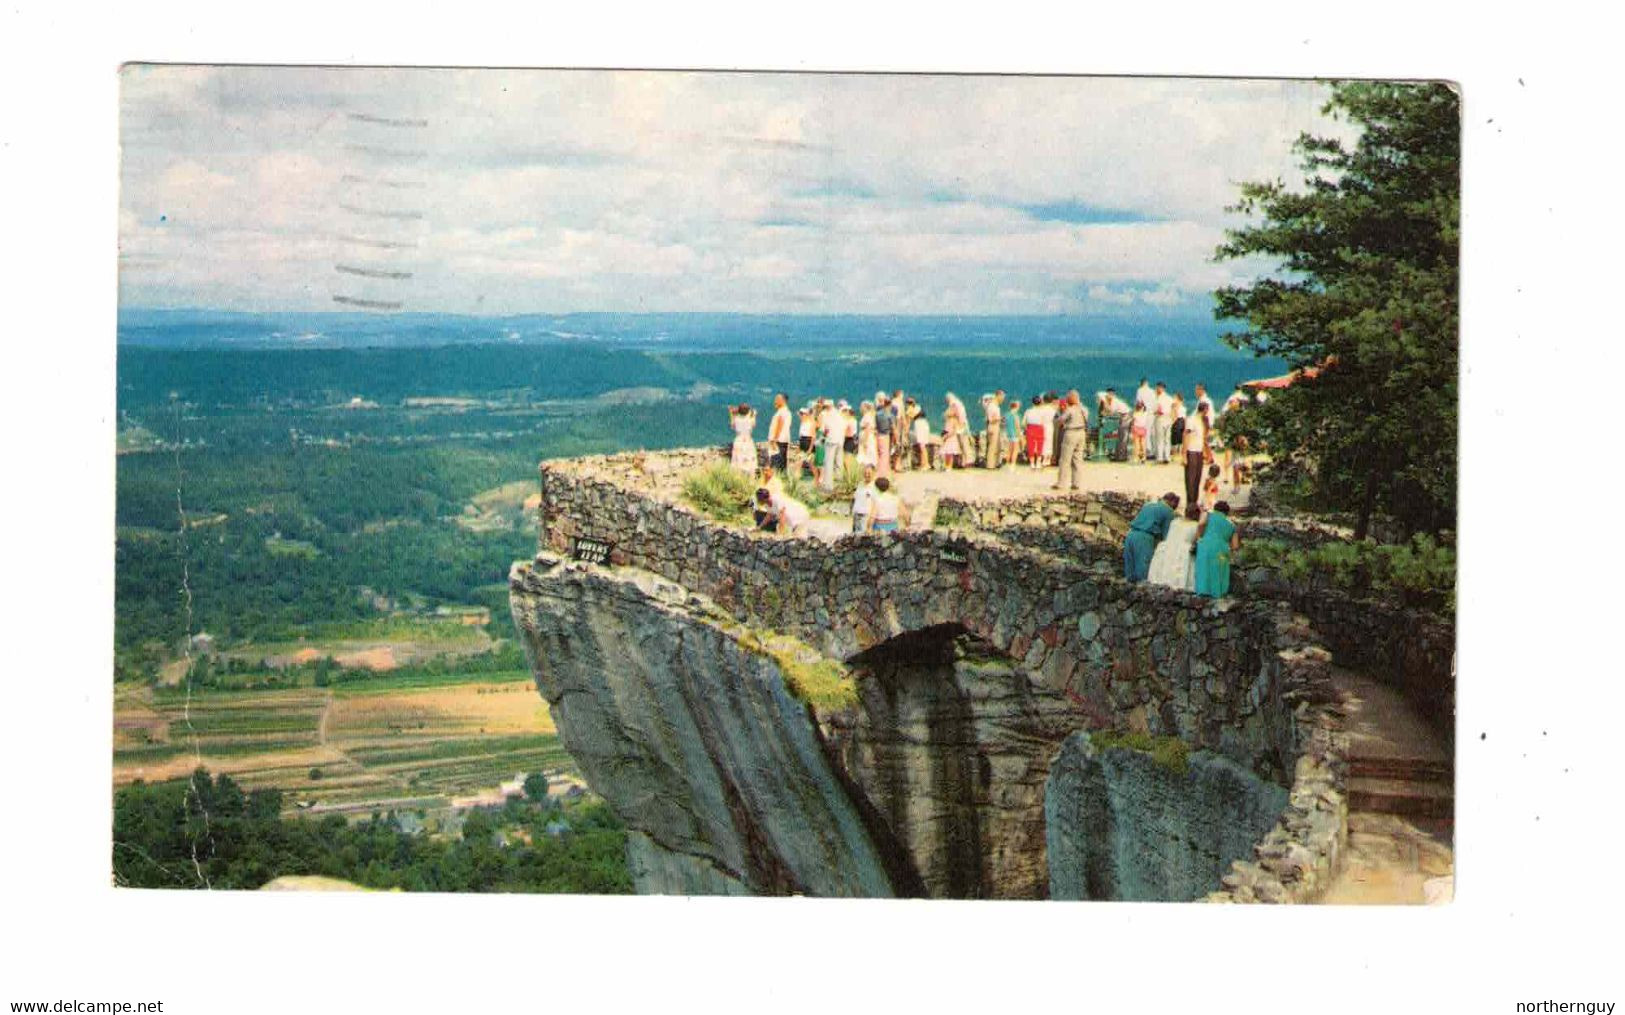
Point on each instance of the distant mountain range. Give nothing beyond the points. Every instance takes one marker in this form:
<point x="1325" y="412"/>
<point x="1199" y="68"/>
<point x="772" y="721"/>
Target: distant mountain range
<point x="1177" y="329"/>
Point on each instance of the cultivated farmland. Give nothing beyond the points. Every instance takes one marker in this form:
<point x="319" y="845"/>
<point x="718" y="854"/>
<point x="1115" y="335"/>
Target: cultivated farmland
<point x="391" y="742"/>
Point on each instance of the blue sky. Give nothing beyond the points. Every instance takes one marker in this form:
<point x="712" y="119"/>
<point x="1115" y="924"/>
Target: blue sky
<point x="559" y="191"/>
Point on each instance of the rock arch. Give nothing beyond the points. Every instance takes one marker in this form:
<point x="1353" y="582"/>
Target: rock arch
<point x="1229" y="678"/>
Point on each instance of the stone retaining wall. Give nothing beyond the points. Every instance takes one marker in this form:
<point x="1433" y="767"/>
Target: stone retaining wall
<point x="1105" y="514"/>
<point x="1412" y="651"/>
<point x="1140" y="657"/>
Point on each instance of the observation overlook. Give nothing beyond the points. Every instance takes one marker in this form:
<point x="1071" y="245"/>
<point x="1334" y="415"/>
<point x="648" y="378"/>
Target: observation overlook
<point x="979" y="707"/>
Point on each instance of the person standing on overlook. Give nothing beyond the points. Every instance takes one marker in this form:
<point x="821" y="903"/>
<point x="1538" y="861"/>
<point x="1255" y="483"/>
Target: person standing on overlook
<point x="955" y="435"/>
<point x="868" y="437"/>
<point x="1035" y="433"/>
<point x="1140" y="431"/>
<point x="1195" y="453"/>
<point x="1176" y="431"/>
<point x="743" y="419"/>
<point x="884" y="420"/>
<point x="1149" y="528"/>
<point x="1074" y="425"/>
<point x="807" y="434"/>
<point x="778" y="434"/>
<point x="1143" y="395"/>
<point x="832" y="433"/>
<point x="1162" y="422"/>
<point x="992" y="410"/>
<point x="1051" y="411"/>
<point x="902" y="420"/>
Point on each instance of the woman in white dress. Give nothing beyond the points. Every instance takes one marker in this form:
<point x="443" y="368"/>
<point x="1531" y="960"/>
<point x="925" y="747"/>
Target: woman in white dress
<point x="953" y="433"/>
<point x="743" y="419"/>
<point x="868" y="438"/>
<point x="1173" y="564"/>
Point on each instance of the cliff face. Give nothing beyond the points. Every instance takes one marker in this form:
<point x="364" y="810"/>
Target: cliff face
<point x="692" y="739"/>
<point x="1124" y="825"/>
<point x="952" y="744"/>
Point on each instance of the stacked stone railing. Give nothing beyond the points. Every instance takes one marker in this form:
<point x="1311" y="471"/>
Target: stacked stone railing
<point x="1240" y="679"/>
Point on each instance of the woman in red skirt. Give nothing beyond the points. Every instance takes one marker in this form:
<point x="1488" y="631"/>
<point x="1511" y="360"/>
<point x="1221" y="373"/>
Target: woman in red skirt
<point x="1036" y="428"/>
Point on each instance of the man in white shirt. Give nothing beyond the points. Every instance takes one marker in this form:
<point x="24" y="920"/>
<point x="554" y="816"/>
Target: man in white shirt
<point x="1143" y="395"/>
<point x="1202" y="401"/>
<point x="778" y="434"/>
<point x="1162" y="422"/>
<point x="832" y="431"/>
<point x="1195" y="449"/>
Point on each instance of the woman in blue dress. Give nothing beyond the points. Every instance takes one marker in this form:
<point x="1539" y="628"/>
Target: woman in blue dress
<point x="1215" y="538"/>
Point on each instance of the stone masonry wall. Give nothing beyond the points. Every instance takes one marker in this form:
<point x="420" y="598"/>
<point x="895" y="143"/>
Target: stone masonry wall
<point x="1139" y="657"/>
<point x="1412" y="651"/>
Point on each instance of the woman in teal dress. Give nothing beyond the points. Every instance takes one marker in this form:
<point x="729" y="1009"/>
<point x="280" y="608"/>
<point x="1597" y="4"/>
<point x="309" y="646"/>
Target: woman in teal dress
<point x="1215" y="538"/>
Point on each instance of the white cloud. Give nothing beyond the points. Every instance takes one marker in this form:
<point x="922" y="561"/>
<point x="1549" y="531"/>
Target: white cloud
<point x="557" y="191"/>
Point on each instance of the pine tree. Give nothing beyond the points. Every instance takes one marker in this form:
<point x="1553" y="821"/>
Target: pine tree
<point x="1367" y="292"/>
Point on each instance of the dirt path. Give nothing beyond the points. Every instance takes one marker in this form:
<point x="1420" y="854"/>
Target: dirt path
<point x="321" y="723"/>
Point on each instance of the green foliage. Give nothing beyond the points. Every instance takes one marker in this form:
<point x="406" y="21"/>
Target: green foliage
<point x="1420" y="573"/>
<point x="1171" y="753"/>
<point x="1368" y="258"/>
<point x="824" y="684"/>
<point x="803" y="489"/>
<point x="720" y="492"/>
<point x="810" y="676"/>
<point x="950" y="517"/>
<point x="536" y="786"/>
<point x="846" y="482"/>
<point x="204" y="832"/>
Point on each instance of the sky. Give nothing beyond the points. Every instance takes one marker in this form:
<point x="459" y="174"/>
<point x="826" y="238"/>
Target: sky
<point x="505" y="192"/>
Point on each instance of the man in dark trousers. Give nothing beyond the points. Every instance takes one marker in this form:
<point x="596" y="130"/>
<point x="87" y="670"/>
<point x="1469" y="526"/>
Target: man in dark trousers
<point x="1195" y="453"/>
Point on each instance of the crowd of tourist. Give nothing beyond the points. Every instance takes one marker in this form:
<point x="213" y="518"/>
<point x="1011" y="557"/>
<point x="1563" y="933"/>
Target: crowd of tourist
<point x="894" y="433"/>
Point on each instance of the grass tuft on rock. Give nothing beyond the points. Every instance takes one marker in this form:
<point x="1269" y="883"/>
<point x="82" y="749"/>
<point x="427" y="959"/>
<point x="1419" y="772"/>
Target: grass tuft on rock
<point x="1171" y="753"/>
<point x="720" y="492"/>
<point x="810" y="676"/>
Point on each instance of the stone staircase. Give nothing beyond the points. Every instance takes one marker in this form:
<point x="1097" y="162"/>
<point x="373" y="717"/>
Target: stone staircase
<point x="1401" y="797"/>
<point x="1397" y="763"/>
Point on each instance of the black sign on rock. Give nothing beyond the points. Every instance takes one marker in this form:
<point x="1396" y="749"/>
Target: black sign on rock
<point x="592" y="551"/>
<point x="955" y="555"/>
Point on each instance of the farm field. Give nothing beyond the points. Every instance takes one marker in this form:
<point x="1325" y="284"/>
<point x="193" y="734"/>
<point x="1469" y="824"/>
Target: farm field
<point x="416" y="741"/>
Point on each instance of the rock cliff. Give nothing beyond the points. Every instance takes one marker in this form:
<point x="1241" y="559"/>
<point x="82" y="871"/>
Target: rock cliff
<point x="692" y="739"/>
<point x="1123" y="824"/>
